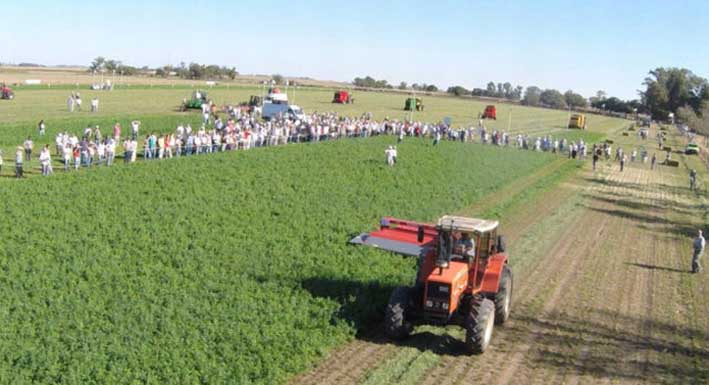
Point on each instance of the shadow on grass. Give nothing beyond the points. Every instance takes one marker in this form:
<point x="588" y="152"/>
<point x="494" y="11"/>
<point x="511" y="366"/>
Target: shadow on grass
<point x="619" y="346"/>
<point x="653" y="267"/>
<point x="627" y="347"/>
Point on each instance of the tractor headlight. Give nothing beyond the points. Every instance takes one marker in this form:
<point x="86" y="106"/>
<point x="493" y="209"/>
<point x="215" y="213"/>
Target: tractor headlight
<point x="444" y="306"/>
<point x="429" y="303"/>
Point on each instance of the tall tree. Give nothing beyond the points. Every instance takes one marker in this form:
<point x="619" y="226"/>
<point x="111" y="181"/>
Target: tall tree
<point x="573" y="99"/>
<point x="491" y="89"/>
<point x="507" y="90"/>
<point x="98" y="64"/>
<point x="532" y="96"/>
<point x="667" y="89"/>
<point x="552" y="98"/>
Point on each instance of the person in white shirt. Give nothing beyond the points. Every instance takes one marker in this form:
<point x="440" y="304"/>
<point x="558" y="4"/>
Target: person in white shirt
<point x="389" y="154"/>
<point x="698" y="246"/>
<point x="70" y="103"/>
<point x="59" y="143"/>
<point x="110" y="151"/>
<point x="94" y="105"/>
<point x="100" y="152"/>
<point x="45" y="160"/>
<point x="135" y="128"/>
<point x="66" y="156"/>
<point x="77" y="101"/>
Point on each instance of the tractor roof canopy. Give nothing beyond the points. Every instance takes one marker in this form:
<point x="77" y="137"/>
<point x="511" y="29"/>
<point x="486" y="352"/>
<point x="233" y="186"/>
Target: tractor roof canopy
<point x="455" y="223"/>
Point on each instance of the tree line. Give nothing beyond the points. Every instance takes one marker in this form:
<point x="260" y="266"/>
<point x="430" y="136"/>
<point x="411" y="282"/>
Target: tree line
<point x="193" y="71"/>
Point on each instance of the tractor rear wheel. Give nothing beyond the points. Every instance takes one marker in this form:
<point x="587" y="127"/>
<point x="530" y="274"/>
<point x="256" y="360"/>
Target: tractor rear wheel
<point x="503" y="297"/>
<point x="479" y="324"/>
<point x="396" y="325"/>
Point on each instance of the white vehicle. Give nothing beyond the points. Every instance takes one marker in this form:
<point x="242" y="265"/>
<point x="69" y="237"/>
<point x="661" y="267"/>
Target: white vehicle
<point x="283" y="110"/>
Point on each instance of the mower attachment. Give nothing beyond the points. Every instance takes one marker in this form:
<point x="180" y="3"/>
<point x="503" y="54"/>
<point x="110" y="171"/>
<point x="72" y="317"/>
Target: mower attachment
<point x="399" y="236"/>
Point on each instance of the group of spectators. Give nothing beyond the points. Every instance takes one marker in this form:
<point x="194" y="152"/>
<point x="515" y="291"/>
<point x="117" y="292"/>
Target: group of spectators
<point x="74" y="102"/>
<point x="243" y="131"/>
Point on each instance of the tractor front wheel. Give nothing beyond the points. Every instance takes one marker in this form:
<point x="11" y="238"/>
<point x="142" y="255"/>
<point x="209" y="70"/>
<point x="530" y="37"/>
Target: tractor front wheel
<point x="503" y="297"/>
<point x="479" y="324"/>
<point x="396" y="325"/>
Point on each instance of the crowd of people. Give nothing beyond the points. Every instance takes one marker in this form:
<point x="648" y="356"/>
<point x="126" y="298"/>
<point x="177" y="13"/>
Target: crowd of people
<point x="243" y="131"/>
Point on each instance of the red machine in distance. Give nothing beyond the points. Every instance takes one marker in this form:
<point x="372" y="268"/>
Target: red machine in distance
<point x="342" y="97"/>
<point x="490" y="113"/>
<point x="463" y="277"/>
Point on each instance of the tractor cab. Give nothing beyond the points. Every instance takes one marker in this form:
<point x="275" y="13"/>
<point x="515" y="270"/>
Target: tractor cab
<point x="458" y="265"/>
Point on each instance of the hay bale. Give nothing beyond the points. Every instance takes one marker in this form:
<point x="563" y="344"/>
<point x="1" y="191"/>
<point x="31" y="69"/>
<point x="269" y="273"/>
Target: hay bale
<point x="625" y="134"/>
<point x="672" y="163"/>
<point x="667" y="148"/>
<point x="609" y="141"/>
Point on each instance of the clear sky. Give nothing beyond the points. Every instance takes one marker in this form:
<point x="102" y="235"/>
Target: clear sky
<point x="579" y="45"/>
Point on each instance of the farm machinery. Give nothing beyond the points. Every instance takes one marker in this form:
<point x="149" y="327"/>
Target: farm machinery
<point x="490" y="112"/>
<point x="6" y="93"/>
<point x="412" y="104"/>
<point x="254" y="104"/>
<point x="577" y="121"/>
<point x="463" y="276"/>
<point x="195" y="102"/>
<point x="343" y="97"/>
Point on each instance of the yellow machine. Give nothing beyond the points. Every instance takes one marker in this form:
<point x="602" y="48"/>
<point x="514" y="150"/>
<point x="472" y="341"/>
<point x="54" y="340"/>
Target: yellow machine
<point x="577" y="121"/>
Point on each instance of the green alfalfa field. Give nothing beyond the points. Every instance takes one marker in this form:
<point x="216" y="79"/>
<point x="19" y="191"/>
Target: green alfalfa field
<point x="235" y="268"/>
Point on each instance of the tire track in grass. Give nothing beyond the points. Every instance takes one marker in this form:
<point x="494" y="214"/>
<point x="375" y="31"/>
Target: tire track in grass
<point x="347" y="364"/>
<point x="404" y="367"/>
<point x="601" y="265"/>
<point x="550" y="302"/>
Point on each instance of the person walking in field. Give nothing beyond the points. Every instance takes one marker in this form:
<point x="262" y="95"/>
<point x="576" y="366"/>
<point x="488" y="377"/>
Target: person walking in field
<point x="70" y="103"/>
<point x="693" y="179"/>
<point x="76" y="153"/>
<point x="18" y="162"/>
<point x="110" y="151"/>
<point x="45" y="160"/>
<point x="622" y="162"/>
<point x="389" y="153"/>
<point x="135" y="128"/>
<point x="698" y="247"/>
<point x="66" y="156"/>
<point x="653" y="161"/>
<point x="117" y="132"/>
<point x="77" y="101"/>
<point x="41" y="127"/>
<point x="28" y="145"/>
<point x="94" y="105"/>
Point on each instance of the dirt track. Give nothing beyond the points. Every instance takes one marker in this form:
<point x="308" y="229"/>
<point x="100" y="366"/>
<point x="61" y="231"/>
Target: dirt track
<point x="602" y="295"/>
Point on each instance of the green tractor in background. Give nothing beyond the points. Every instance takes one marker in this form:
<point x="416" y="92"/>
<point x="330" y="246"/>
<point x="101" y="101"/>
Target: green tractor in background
<point x="413" y="104"/>
<point x="199" y="97"/>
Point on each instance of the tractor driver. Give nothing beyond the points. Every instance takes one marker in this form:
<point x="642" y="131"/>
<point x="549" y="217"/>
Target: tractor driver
<point x="464" y="245"/>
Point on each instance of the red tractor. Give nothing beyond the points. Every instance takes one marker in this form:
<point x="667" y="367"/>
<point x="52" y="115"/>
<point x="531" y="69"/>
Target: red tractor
<point x="343" y="97"/>
<point x="463" y="277"/>
<point x="489" y="113"/>
<point x="6" y="93"/>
